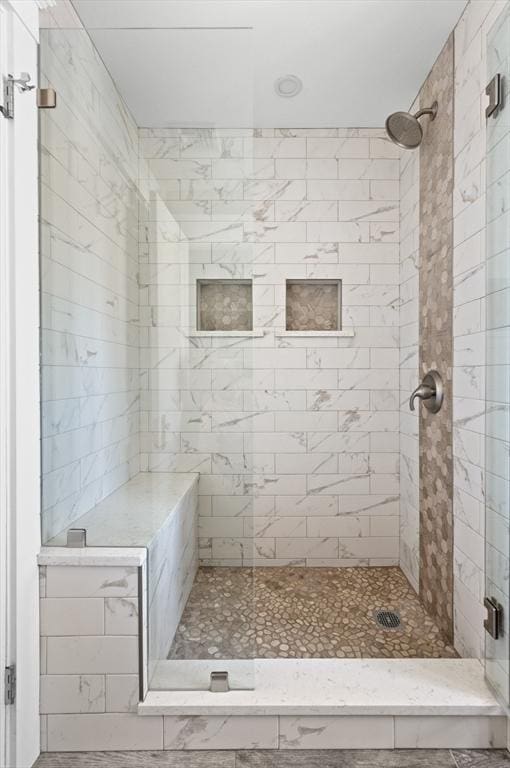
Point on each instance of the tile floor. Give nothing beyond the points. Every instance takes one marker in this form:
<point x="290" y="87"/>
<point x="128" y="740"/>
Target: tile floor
<point x="304" y="613"/>
<point x="401" y="758"/>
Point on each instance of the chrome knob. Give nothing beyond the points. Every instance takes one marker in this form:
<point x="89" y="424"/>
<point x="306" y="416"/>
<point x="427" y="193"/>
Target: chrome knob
<point x="430" y="391"/>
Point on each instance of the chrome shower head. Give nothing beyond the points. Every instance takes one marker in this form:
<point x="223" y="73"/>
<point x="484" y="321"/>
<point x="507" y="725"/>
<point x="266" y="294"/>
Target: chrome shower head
<point x="405" y="129"/>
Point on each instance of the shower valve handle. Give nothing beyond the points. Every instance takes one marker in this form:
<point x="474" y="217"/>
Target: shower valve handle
<point x="423" y="392"/>
<point x="430" y="391"/>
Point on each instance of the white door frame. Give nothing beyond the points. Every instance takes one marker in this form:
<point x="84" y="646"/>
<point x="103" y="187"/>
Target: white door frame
<point x="5" y="426"/>
<point x="19" y="391"/>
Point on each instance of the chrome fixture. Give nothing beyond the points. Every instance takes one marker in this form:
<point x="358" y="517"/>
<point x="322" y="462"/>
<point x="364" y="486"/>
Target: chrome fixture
<point x="219" y="682"/>
<point x="494" y="91"/>
<point x="76" y="537"/>
<point x="46" y="98"/>
<point x="10" y="685"/>
<point x="493" y="623"/>
<point x="430" y="391"/>
<point x="22" y="84"/>
<point x="404" y="129"/>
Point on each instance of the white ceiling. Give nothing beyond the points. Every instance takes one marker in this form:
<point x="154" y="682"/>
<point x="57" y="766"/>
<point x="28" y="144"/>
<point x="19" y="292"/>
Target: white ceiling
<point x="214" y="62"/>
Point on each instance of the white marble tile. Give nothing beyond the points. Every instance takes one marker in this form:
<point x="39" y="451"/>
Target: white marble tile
<point x="277" y="147"/>
<point x="367" y="168"/>
<point x="338" y="148"/>
<point x="88" y="581"/>
<point x="299" y="177"/>
<point x="86" y="201"/>
<point x="122" y="693"/>
<point x="68" y="694"/>
<point x="172" y="564"/>
<point x="383" y="147"/>
<point x="121" y="616"/>
<point x="72" y="616"/>
<point x="450" y="732"/>
<point x="221" y="732"/>
<point x="89" y="655"/>
<point x="336" y="733"/>
<point x="92" y="732"/>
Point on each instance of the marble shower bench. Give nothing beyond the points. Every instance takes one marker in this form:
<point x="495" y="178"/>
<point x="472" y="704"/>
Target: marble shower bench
<point x="109" y="611"/>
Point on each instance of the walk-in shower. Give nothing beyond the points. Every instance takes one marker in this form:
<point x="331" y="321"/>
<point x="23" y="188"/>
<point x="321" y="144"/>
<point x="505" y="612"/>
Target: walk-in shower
<point x="234" y="317"/>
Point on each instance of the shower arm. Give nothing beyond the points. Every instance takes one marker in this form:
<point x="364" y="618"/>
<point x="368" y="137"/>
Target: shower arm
<point x="432" y="111"/>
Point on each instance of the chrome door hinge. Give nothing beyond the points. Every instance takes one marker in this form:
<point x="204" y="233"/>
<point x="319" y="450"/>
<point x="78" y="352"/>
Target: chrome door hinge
<point x="10" y="684"/>
<point x="493" y="623"/>
<point x="494" y="91"/>
<point x="22" y="84"/>
<point x="7" y="109"/>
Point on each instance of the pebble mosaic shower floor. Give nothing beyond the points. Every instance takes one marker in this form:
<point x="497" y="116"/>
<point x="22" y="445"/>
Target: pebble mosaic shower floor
<point x="239" y="613"/>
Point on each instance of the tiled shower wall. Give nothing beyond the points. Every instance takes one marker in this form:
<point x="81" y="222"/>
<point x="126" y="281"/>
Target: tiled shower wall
<point x="469" y="294"/>
<point x="89" y="179"/>
<point x="469" y="291"/>
<point x="89" y="243"/>
<point x="296" y="439"/>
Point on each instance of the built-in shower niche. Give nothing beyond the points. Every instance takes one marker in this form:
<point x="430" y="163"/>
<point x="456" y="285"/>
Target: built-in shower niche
<point x="313" y="305"/>
<point x="224" y="305"/>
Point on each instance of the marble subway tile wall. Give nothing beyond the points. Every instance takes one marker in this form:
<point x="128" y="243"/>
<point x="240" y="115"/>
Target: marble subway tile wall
<point x="89" y="291"/>
<point x="497" y="424"/>
<point x="89" y="654"/>
<point x="469" y="298"/>
<point x="409" y="364"/>
<point x="296" y="438"/>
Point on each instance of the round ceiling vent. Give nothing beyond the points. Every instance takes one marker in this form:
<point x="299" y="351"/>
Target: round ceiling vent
<point x="288" y="86"/>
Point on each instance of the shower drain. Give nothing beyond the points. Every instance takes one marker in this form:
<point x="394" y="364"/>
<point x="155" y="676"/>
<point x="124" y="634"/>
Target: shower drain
<point x="387" y="619"/>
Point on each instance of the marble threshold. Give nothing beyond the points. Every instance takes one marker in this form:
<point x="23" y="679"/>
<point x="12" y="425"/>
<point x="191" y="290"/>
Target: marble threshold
<point x="326" y="687"/>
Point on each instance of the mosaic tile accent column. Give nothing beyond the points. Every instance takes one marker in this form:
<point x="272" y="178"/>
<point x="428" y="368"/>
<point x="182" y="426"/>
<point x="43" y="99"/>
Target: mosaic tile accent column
<point x="436" y="297"/>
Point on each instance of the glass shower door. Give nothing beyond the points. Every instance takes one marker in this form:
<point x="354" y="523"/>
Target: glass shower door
<point x="139" y="211"/>
<point x="497" y="427"/>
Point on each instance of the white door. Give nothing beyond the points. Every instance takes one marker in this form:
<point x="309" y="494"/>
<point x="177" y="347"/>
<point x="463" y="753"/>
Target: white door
<point x="19" y="391"/>
<point x="6" y="566"/>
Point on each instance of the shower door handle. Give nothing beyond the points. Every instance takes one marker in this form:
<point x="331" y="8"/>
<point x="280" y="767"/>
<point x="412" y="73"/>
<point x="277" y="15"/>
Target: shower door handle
<point x="430" y="391"/>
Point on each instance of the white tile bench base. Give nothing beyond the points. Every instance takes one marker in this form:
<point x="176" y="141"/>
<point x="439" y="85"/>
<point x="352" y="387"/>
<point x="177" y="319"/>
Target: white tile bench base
<point x="109" y="731"/>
